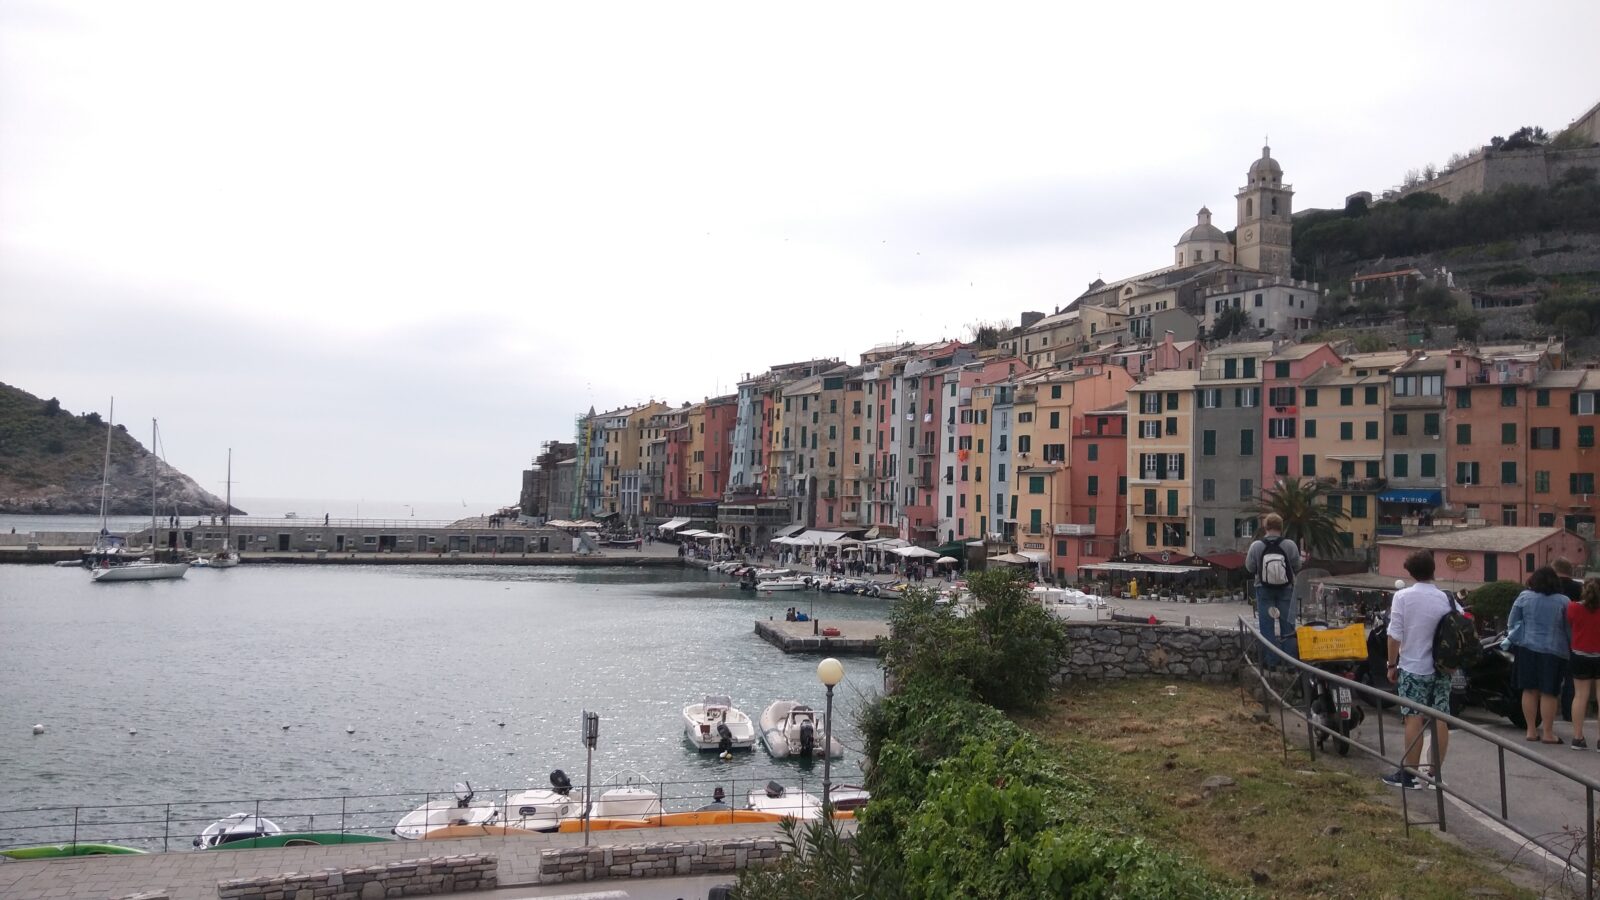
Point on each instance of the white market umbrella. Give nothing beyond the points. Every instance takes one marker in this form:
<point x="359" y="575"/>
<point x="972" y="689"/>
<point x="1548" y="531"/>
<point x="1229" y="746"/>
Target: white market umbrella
<point x="945" y="561"/>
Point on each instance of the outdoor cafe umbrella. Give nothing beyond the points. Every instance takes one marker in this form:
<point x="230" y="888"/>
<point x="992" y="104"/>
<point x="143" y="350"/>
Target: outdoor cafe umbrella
<point x="914" y="552"/>
<point x="945" y="561"/>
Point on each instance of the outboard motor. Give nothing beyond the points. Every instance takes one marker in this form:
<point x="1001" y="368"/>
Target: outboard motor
<point x="725" y="737"/>
<point x="774" y="790"/>
<point x="560" y="783"/>
<point x="808" y="737"/>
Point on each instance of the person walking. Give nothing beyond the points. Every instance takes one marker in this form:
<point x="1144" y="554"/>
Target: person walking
<point x="1274" y="560"/>
<point x="1583" y="621"/>
<point x="1414" y="616"/>
<point x="1541" y="640"/>
<point x="1571" y="587"/>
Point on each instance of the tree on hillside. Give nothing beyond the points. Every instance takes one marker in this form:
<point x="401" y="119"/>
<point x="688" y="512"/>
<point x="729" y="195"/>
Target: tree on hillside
<point x="1229" y="322"/>
<point x="987" y="335"/>
<point x="52" y="407"/>
<point x="1526" y="138"/>
<point x="1307" y="519"/>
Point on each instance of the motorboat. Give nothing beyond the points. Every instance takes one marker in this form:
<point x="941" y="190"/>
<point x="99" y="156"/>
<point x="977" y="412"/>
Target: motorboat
<point x="788" y="583"/>
<point x="303" y="839"/>
<point x="714" y="724"/>
<point x="543" y="809"/>
<point x="59" y="851"/>
<point x="785" y="802"/>
<point x="237" y="827"/>
<point x="790" y="728"/>
<point x="443" y="813"/>
<point x="770" y="574"/>
<point x="846" y="797"/>
<point x="143" y="570"/>
<point x="627" y="796"/>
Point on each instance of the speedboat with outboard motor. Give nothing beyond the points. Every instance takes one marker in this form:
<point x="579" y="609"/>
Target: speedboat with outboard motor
<point x="543" y="809"/>
<point x="790" y="728"/>
<point x="444" y="813"/>
<point x="787" y="583"/>
<point x="237" y="827"/>
<point x="785" y="802"/>
<point x="714" y="724"/>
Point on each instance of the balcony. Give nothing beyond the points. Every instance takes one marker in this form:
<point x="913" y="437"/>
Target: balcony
<point x="928" y="450"/>
<point x="1162" y="511"/>
<point x="1520" y="375"/>
<point x="924" y="481"/>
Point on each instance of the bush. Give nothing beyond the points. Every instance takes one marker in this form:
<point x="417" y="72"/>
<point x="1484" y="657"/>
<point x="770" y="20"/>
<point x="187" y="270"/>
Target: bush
<point x="1491" y="604"/>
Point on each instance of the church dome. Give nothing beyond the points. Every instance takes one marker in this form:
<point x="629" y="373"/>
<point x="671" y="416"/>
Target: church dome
<point x="1203" y="230"/>
<point x="1266" y="168"/>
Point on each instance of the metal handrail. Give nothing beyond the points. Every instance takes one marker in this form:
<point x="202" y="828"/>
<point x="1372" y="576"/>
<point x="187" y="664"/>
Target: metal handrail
<point x="1249" y="634"/>
<point x="173" y="825"/>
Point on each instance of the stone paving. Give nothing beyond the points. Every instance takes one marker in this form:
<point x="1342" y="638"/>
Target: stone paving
<point x="193" y="875"/>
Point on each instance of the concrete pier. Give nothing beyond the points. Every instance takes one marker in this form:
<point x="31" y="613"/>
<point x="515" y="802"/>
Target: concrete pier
<point x="857" y="637"/>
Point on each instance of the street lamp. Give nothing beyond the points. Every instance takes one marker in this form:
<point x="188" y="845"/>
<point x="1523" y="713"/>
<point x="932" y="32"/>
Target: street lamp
<point x="830" y="672"/>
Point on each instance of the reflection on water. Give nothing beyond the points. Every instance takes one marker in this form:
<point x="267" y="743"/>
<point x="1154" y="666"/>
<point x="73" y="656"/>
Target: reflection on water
<point x="247" y="682"/>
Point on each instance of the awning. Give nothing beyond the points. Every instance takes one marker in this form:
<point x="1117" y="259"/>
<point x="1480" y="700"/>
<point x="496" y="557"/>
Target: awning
<point x="915" y="553"/>
<point x="1233" y="560"/>
<point x="674" y="525"/>
<point x="1418" y="497"/>
<point x="958" y="548"/>
<point x="693" y="532"/>
<point x="1356" y="457"/>
<point x="1038" y="556"/>
<point x="1153" y="568"/>
<point x="710" y="536"/>
<point x="788" y="530"/>
<point x="1015" y="559"/>
<point x="871" y="533"/>
<point x="814" y="537"/>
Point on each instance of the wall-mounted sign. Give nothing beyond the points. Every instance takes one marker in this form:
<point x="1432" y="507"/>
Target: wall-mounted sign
<point x="1457" y="561"/>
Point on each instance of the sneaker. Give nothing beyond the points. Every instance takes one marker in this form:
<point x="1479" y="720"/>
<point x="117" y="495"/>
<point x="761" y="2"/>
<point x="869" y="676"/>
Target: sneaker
<point x="1402" y="780"/>
<point x="1580" y="744"/>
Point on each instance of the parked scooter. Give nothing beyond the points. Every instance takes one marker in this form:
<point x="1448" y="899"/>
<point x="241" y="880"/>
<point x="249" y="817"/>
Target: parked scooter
<point x="1333" y="706"/>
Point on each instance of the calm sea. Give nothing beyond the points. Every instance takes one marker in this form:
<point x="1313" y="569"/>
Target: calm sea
<point x="423" y="663"/>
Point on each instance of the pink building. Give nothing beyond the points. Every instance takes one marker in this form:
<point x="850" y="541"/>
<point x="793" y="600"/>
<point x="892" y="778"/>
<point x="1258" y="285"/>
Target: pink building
<point x="1098" y="501"/>
<point x="1476" y="555"/>
<point x="1280" y="406"/>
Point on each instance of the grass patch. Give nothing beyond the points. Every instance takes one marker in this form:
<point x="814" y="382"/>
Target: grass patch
<point x="1282" y="828"/>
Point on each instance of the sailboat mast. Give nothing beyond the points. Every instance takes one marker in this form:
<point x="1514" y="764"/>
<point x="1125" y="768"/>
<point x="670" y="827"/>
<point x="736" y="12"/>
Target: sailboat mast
<point x="227" y="511"/>
<point x="105" y="469"/>
<point x="153" y="473"/>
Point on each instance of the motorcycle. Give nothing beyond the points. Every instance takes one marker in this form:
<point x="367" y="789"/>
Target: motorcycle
<point x="1333" y="706"/>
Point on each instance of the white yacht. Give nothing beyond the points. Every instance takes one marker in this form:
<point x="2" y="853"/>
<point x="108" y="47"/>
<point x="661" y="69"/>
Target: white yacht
<point x="714" y="724"/>
<point x="543" y="809"/>
<point x="790" y="728"/>
<point x="143" y="570"/>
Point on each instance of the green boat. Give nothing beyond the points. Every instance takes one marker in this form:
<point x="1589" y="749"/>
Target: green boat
<point x="301" y="839"/>
<point x="59" y="851"/>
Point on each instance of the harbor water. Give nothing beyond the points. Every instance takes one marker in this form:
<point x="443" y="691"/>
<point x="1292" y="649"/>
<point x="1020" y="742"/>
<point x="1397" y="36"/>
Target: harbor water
<point x="389" y="680"/>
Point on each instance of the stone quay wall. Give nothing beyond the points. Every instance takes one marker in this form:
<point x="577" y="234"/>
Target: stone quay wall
<point x="652" y="860"/>
<point x="1109" y="650"/>
<point x="406" y="878"/>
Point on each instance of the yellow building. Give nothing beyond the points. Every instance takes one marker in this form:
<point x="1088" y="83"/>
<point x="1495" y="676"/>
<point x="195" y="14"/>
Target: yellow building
<point x="1342" y="436"/>
<point x="1160" y="463"/>
<point x="694" y="468"/>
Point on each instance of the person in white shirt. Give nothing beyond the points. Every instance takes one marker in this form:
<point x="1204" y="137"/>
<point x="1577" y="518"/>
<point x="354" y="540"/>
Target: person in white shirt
<point x="1413" y="618"/>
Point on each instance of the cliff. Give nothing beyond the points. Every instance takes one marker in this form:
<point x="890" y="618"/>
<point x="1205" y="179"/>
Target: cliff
<point x="50" y="464"/>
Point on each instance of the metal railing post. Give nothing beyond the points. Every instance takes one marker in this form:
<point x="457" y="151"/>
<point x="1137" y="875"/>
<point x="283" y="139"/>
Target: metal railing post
<point x="1311" y="730"/>
<point x="1436" y="767"/>
<point x="75" y="826"/>
<point x="1383" y="749"/>
<point x="342" y="800"/>
<point x="166" y="829"/>
<point x="1500" y="752"/>
<point x="1588" y="849"/>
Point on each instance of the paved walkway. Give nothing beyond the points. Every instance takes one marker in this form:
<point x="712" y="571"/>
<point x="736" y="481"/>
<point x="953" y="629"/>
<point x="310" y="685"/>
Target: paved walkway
<point x="193" y="875"/>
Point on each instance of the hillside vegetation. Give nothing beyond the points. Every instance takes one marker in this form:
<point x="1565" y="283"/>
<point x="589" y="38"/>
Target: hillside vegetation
<point x="51" y="459"/>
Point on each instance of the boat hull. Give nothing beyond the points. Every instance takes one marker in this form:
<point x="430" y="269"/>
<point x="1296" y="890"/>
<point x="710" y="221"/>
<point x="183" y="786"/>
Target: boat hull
<point x="142" y="572"/>
<point x="700" y="729"/>
<point x="781" y="731"/>
<point x="60" y="851"/>
<point x="303" y="839"/>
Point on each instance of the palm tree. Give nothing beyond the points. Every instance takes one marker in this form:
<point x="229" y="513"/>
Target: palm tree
<point x="1307" y="519"/>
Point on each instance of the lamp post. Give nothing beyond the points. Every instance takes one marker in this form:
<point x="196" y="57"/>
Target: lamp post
<point x="830" y="672"/>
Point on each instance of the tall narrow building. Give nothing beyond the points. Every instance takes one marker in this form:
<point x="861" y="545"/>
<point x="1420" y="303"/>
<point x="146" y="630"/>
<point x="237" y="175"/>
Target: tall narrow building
<point x="1265" y="205"/>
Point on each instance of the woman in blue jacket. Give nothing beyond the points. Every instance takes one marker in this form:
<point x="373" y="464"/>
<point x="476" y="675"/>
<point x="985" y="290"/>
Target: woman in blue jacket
<point x="1541" y="640"/>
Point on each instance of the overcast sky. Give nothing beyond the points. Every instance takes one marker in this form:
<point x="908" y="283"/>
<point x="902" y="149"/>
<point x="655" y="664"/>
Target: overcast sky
<point x="384" y="249"/>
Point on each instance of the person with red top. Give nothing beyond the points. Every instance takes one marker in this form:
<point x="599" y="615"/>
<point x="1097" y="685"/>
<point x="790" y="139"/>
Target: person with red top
<point x="1583" y="619"/>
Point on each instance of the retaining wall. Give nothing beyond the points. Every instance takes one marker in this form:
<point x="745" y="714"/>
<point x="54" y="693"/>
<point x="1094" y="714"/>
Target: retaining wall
<point x="650" y="860"/>
<point x="1112" y="650"/>
<point x="407" y="877"/>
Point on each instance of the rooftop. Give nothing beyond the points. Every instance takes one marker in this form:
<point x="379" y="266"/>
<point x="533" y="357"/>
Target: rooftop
<point x="1171" y="380"/>
<point x="1290" y="352"/>
<point x="1492" y="538"/>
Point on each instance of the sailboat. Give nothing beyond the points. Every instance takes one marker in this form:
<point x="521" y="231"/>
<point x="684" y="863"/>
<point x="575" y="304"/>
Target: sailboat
<point x="108" y="547"/>
<point x="227" y="557"/>
<point x="144" y="569"/>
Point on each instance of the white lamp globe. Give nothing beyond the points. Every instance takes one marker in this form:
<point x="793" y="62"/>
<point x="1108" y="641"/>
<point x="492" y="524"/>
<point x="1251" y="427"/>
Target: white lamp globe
<point x="830" y="672"/>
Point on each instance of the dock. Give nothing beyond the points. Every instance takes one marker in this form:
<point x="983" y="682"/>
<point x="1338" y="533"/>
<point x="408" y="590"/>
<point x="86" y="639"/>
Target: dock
<point x="857" y="637"/>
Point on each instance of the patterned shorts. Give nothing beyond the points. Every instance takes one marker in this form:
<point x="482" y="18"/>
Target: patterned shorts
<point x="1432" y="691"/>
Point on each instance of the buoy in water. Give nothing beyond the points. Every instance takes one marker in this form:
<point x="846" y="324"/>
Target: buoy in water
<point x="349" y="729"/>
<point x="38" y="729"/>
<point x="133" y="731"/>
<point x="285" y="728"/>
<point x="502" y="724"/>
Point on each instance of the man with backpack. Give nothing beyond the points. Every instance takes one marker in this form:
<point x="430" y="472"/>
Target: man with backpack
<point x="1422" y="624"/>
<point x="1273" y="561"/>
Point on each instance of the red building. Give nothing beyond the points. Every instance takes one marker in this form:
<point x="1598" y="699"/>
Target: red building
<point x="1098" y="505"/>
<point x="1280" y="406"/>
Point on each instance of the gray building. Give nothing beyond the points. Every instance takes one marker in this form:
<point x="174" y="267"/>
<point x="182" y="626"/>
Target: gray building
<point x="1274" y="305"/>
<point x="1414" y="443"/>
<point x="1227" y="430"/>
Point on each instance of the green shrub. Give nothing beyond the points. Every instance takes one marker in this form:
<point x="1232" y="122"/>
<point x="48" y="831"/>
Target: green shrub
<point x="1491" y="603"/>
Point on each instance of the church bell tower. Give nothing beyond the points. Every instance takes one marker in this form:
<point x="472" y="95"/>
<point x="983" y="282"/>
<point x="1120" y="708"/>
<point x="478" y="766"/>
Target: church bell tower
<point x="1265" y="204"/>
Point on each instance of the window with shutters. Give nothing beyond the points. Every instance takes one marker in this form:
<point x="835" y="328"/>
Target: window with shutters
<point x="1281" y="396"/>
<point x="1463" y="398"/>
<point x="1093" y="453"/>
<point x="1399" y="423"/>
<point x="1358" y="507"/>
<point x="1208" y="489"/>
<point x="1370" y="430"/>
<point x="1581" y="482"/>
<point x="1401" y="465"/>
<point x="1463" y="434"/>
<point x="1508" y="473"/>
<point x="1508" y="396"/>
<point x="1311" y="397"/>
<point x="1430" y="424"/>
<point x="1585" y="435"/>
<point x="1347" y="396"/>
<point x="1093" y="485"/>
<point x="1508" y="433"/>
<point x="1149" y="428"/>
<point x="1247" y="442"/>
<point x="1208" y="443"/>
<point x="1035" y="484"/>
<point x="1247" y="489"/>
<point x="1541" y="481"/>
<point x="1428" y="466"/>
<point x="1369" y="396"/>
<point x="1308" y="465"/>
<point x="1347" y="431"/>
<point x="1467" y="473"/>
<point x="1544" y="438"/>
<point x="1311" y="428"/>
<point x="1149" y="502"/>
<point x="1150" y="403"/>
<point x="1280" y="465"/>
<point x="1280" y="428"/>
<point x="1541" y="397"/>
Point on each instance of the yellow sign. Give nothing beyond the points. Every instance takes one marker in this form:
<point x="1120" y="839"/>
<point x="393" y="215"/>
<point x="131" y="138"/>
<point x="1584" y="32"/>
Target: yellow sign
<point x="1457" y="561"/>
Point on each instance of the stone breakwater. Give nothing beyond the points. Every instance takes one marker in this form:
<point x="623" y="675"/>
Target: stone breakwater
<point x="650" y="860"/>
<point x="407" y="877"/>
<point x="1126" y="650"/>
